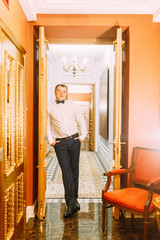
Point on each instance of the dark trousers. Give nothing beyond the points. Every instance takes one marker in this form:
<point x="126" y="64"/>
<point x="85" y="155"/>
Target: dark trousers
<point x="67" y="152"/>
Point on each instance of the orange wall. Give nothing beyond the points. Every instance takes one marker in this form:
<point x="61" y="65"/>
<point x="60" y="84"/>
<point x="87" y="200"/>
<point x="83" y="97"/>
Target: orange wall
<point x="18" y="25"/>
<point x="15" y="20"/>
<point x="144" y="86"/>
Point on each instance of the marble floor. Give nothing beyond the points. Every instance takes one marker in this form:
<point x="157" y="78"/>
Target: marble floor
<point x="84" y="225"/>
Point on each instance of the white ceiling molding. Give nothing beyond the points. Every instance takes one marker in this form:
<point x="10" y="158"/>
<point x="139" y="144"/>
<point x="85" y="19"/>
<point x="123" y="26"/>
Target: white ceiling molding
<point x="156" y="15"/>
<point x="29" y="9"/>
<point x="33" y="7"/>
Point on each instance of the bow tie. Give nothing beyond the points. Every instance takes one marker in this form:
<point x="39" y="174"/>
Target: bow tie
<point x="58" y="101"/>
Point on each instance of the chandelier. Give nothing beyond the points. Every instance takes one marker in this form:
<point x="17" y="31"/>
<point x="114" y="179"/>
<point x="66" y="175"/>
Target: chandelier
<point x="74" y="66"/>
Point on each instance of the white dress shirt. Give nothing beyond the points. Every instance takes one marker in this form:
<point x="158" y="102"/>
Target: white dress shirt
<point x="62" y="121"/>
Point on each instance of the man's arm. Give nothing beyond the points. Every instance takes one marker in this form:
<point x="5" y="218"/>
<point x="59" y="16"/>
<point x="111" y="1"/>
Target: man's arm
<point x="50" y="136"/>
<point x="49" y="130"/>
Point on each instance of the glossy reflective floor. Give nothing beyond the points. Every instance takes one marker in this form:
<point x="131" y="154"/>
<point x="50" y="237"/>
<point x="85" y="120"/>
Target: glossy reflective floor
<point x="86" y="224"/>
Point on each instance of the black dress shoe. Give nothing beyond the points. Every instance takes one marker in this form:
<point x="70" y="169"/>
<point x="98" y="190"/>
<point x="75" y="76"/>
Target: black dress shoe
<point x="70" y="211"/>
<point x="77" y="205"/>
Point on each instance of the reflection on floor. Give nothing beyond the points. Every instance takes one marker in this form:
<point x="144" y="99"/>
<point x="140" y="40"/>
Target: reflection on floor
<point x="84" y="225"/>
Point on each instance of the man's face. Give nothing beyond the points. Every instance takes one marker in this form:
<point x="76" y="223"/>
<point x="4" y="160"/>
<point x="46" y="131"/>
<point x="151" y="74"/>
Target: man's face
<point x="60" y="93"/>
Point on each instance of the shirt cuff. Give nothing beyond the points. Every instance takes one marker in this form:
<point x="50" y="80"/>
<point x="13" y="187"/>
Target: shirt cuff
<point x="83" y="136"/>
<point x="51" y="140"/>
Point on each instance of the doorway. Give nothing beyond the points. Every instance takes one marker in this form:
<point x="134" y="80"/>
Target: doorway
<point x="60" y="77"/>
<point x="84" y="90"/>
<point x="99" y="59"/>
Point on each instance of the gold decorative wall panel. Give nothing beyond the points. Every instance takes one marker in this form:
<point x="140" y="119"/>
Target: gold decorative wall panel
<point x="19" y="114"/>
<point x="20" y="197"/>
<point x="9" y="114"/>
<point x="9" y="212"/>
<point x="13" y="117"/>
<point x="12" y="136"/>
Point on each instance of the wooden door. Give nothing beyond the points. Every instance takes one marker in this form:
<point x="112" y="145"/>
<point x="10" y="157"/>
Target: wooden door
<point x="92" y="121"/>
<point x="125" y="106"/>
<point x="42" y="125"/>
<point x="119" y="43"/>
<point x="12" y="135"/>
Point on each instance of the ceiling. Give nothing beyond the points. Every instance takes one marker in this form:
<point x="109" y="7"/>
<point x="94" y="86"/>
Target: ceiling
<point x="83" y="53"/>
<point x="80" y="42"/>
<point x="33" y="7"/>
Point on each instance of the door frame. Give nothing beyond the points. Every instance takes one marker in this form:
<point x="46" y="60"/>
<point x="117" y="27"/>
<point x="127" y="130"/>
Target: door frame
<point x="95" y="41"/>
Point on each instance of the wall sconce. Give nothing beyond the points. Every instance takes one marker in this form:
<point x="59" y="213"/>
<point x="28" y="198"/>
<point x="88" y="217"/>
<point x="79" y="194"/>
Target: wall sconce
<point x="74" y="66"/>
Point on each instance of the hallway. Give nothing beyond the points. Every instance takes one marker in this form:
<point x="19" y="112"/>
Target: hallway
<point x="91" y="179"/>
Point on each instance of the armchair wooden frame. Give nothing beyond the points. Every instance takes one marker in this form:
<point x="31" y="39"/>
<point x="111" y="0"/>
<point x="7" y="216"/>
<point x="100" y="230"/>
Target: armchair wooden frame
<point x="144" y="187"/>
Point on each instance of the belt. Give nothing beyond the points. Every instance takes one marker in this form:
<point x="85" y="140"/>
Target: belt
<point x="68" y="138"/>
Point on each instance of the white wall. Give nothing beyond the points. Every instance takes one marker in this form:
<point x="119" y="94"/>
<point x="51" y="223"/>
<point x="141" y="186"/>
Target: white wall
<point x="56" y="75"/>
<point x="105" y="149"/>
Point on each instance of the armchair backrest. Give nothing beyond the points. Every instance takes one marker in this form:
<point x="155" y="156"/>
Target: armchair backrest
<point x="147" y="165"/>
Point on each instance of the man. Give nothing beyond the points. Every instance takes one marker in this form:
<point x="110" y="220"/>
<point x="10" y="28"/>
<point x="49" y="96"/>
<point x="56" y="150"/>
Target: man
<point x="62" y="131"/>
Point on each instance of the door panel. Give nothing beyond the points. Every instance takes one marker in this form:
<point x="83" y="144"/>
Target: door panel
<point x="12" y="140"/>
<point x="92" y="121"/>
<point x="125" y="106"/>
<point x="42" y="113"/>
<point x="119" y="43"/>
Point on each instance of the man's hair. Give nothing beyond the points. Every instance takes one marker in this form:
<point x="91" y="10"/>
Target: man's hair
<point x="62" y="85"/>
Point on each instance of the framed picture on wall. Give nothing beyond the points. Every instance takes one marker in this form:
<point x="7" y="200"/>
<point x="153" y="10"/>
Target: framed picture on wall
<point x="6" y="2"/>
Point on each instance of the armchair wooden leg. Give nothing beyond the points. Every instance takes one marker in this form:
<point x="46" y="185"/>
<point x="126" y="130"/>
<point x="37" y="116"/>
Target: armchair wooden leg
<point x="145" y="229"/>
<point x="103" y="216"/>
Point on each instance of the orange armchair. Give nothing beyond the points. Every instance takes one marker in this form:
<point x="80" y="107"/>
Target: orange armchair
<point x="145" y="186"/>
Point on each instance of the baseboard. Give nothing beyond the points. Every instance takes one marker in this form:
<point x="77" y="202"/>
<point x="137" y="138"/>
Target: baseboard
<point x="103" y="153"/>
<point x="31" y="211"/>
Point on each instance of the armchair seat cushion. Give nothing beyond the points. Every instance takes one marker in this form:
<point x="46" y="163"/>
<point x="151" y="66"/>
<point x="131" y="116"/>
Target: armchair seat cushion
<point x="131" y="198"/>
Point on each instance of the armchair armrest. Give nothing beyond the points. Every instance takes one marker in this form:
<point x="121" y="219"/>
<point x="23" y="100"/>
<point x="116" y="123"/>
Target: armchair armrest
<point x="119" y="171"/>
<point x="154" y="182"/>
<point x="115" y="172"/>
<point x="112" y="173"/>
